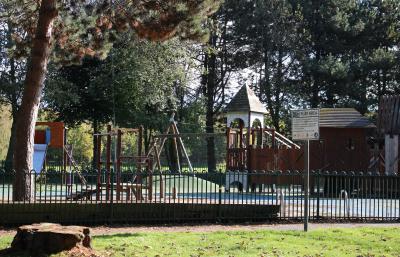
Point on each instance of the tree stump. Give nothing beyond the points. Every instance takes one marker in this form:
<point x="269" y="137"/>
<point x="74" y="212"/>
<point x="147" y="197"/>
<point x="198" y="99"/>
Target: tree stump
<point x="50" y="238"/>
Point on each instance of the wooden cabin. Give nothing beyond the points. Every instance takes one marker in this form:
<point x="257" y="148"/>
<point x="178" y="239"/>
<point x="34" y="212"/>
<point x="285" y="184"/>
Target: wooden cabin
<point x="343" y="144"/>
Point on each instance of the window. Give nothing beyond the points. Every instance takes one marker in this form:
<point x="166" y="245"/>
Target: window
<point x="350" y="144"/>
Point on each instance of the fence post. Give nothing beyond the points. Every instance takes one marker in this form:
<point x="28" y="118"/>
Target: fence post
<point x="219" y="203"/>
<point x="112" y="196"/>
<point x="219" y="196"/>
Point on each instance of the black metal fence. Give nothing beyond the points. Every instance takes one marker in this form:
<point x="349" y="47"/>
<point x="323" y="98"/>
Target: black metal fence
<point x="334" y="196"/>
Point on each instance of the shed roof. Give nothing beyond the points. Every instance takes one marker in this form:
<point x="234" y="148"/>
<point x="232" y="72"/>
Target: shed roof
<point x="343" y="118"/>
<point x="245" y="100"/>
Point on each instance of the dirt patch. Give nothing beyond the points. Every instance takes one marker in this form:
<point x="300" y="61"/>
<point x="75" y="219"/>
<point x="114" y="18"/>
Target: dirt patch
<point x="102" y="230"/>
<point x="81" y="251"/>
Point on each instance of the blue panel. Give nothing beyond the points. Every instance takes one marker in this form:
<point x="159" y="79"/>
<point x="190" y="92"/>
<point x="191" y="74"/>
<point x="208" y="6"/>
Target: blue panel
<point x="39" y="155"/>
<point x="48" y="136"/>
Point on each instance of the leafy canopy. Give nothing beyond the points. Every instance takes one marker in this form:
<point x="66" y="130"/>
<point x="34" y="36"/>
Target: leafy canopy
<point x="89" y="27"/>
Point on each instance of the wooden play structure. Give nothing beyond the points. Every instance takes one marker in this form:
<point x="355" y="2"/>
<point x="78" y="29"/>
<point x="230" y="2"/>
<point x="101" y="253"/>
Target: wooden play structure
<point x="344" y="143"/>
<point x="145" y="163"/>
<point x="142" y="162"/>
<point x="49" y="135"/>
<point x="53" y="135"/>
<point x="252" y="146"/>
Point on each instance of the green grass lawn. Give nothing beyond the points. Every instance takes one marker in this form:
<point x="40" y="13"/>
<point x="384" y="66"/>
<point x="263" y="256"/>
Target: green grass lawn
<point x="324" y="242"/>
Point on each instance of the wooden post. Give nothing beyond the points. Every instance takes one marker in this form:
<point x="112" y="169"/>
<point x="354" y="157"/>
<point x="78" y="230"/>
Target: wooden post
<point x="276" y="150"/>
<point x="108" y="162"/>
<point x="273" y="139"/>
<point x="228" y="143"/>
<point x="150" y="187"/>
<point x="118" y="162"/>
<point x="391" y="154"/>
<point x="248" y="148"/>
<point x="241" y="136"/>
<point x="176" y="131"/>
<point x="140" y="145"/>
<point x="163" y="142"/>
<point x="157" y="158"/>
<point x="98" y="153"/>
<point x="159" y="170"/>
<point x="174" y="193"/>
<point x="176" y="149"/>
<point x="241" y="154"/>
<point x="64" y="150"/>
<point x="253" y="137"/>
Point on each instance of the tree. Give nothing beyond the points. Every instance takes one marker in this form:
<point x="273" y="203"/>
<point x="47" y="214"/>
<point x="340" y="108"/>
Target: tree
<point x="269" y="38"/>
<point x="12" y="71"/>
<point x="134" y="84"/>
<point x="61" y="23"/>
<point x="351" y="47"/>
<point x="218" y="63"/>
<point x="77" y="95"/>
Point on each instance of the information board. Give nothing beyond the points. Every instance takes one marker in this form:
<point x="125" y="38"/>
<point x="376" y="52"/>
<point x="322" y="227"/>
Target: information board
<point x="305" y="124"/>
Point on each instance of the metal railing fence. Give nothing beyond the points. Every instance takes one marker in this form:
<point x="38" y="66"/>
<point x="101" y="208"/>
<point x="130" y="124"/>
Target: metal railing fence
<point x="333" y="196"/>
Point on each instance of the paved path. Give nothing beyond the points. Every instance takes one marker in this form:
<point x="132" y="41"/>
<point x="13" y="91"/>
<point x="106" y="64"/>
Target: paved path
<point x="106" y="230"/>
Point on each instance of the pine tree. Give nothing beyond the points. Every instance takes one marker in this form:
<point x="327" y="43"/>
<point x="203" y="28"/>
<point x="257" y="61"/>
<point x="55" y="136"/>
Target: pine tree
<point x="75" y="29"/>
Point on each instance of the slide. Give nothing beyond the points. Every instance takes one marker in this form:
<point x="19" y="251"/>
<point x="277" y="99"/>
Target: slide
<point x="39" y="155"/>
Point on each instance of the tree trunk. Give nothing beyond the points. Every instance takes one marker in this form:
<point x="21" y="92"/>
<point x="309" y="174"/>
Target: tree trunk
<point x="363" y="96"/>
<point x="11" y="143"/>
<point x="146" y="137"/>
<point x="315" y="101"/>
<point x="211" y="160"/>
<point x="172" y="156"/>
<point x="27" y="113"/>
<point x="278" y="88"/>
<point x="266" y="85"/>
<point x="14" y="103"/>
<point x="210" y="80"/>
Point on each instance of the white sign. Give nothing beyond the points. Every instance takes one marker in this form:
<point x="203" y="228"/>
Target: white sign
<point x="305" y="124"/>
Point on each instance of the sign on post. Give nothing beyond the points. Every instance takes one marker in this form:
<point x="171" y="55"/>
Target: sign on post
<point x="305" y="126"/>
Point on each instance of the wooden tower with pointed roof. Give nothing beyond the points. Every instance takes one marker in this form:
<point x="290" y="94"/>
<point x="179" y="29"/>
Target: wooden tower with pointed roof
<point x="245" y="106"/>
<point x="246" y="132"/>
<point x="244" y="110"/>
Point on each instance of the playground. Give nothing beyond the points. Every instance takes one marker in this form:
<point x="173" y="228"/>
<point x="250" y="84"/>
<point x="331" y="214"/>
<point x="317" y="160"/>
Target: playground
<point x="200" y="128"/>
<point x="250" y="186"/>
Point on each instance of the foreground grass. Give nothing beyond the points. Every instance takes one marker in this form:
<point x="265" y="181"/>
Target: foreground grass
<point x="324" y="242"/>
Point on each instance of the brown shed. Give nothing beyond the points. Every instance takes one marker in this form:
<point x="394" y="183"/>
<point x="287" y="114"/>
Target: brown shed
<point x="343" y="144"/>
